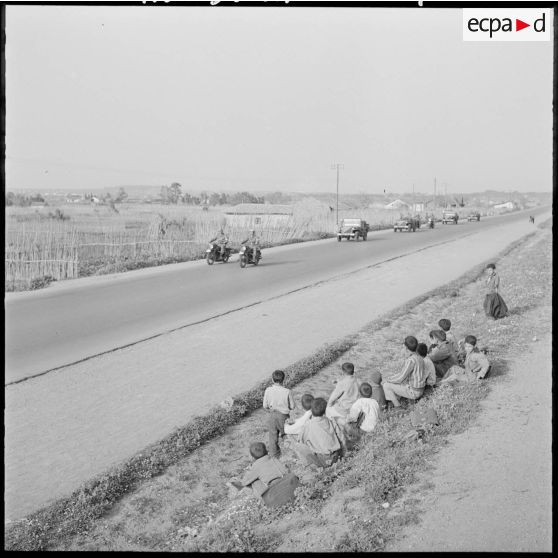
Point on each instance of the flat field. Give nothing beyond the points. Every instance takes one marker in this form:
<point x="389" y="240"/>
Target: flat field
<point x="77" y="240"/>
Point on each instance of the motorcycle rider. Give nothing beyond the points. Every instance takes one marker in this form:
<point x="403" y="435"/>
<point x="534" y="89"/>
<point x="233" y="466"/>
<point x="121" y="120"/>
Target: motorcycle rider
<point x="253" y="242"/>
<point x="221" y="239"/>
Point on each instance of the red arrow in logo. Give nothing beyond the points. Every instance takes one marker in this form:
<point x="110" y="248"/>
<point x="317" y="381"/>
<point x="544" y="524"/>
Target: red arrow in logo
<point x="519" y="25"/>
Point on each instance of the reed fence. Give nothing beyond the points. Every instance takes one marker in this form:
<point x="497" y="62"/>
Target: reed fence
<point x="38" y="246"/>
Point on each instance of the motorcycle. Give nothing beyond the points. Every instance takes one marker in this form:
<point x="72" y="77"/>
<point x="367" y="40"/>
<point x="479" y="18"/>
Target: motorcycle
<point x="213" y="254"/>
<point x="246" y="256"/>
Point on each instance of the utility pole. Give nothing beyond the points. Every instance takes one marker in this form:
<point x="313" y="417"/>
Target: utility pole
<point x="445" y="194"/>
<point x="414" y="204"/>
<point x="337" y="166"/>
<point x="434" y="192"/>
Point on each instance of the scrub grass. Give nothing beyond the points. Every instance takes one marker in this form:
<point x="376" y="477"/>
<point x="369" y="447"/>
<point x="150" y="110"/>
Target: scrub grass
<point x="170" y="497"/>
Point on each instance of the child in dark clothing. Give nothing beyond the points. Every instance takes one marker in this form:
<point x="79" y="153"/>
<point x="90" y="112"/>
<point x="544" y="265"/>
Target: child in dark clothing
<point x="278" y="400"/>
<point x="263" y="473"/>
<point x="377" y="390"/>
<point x="445" y="326"/>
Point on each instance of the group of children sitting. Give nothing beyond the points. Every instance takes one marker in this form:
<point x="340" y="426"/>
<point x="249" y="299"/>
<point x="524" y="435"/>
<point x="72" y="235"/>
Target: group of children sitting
<point x="326" y="429"/>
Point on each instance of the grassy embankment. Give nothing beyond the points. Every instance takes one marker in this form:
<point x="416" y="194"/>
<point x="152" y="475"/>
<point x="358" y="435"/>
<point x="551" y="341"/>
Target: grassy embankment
<point x="184" y="505"/>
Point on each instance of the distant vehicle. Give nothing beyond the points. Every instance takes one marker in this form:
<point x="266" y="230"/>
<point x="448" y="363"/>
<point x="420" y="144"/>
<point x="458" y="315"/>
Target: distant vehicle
<point x="406" y="224"/>
<point x="450" y="217"/>
<point x="474" y="216"/>
<point x="353" y="228"/>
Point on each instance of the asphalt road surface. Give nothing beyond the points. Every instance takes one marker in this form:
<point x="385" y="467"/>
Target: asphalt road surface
<point x="77" y="319"/>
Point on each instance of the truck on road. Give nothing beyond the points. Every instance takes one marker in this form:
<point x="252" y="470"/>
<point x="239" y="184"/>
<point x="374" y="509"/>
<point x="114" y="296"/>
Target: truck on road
<point x="353" y="229"/>
<point x="450" y="217"/>
<point x="407" y="224"/>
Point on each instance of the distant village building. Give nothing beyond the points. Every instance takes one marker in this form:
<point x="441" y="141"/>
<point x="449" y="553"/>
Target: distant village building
<point x="397" y="204"/>
<point x="504" y="206"/>
<point x="377" y="205"/>
<point x="74" y="198"/>
<point x="153" y="199"/>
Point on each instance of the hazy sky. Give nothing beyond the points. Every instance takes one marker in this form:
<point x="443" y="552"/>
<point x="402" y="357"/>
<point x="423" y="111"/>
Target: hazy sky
<point x="252" y="98"/>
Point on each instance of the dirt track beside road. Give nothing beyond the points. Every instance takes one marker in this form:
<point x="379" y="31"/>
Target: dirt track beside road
<point x="97" y="413"/>
<point x="492" y="484"/>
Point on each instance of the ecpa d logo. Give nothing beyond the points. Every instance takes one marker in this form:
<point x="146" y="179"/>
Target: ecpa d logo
<point x="503" y="24"/>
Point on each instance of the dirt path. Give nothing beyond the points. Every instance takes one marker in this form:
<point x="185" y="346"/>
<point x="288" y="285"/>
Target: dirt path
<point x="493" y="483"/>
<point x="63" y="428"/>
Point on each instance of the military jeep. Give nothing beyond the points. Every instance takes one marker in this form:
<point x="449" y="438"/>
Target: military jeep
<point x="450" y="217"/>
<point x="406" y="224"/>
<point x="353" y="229"/>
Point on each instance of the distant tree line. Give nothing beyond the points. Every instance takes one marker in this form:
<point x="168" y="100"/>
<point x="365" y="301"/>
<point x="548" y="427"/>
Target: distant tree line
<point x="173" y="195"/>
<point x="21" y="200"/>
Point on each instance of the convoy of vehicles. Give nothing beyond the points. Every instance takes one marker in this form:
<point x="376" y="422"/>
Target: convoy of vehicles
<point x="353" y="229"/>
<point x="349" y="228"/>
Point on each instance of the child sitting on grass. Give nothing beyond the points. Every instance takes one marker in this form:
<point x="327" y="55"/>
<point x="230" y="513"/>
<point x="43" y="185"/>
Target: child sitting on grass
<point x="278" y="400"/>
<point x="295" y="428"/>
<point x="476" y="363"/>
<point x="267" y="478"/>
<point x="445" y="326"/>
<point x="364" y="410"/>
<point x="475" y="367"/>
<point x="441" y="353"/>
<point x="344" y="394"/>
<point x="261" y="473"/>
<point x="377" y="390"/>
<point x="429" y="368"/>
<point x="409" y="383"/>
<point x="321" y="441"/>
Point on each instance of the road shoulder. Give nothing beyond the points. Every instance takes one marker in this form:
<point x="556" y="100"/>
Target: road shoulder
<point x="493" y="483"/>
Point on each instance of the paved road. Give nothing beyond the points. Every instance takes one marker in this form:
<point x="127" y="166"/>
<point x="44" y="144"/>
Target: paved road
<point x="76" y="319"/>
